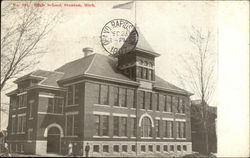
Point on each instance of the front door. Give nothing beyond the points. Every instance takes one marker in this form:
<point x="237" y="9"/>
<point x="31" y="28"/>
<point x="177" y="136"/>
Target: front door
<point x="53" y="140"/>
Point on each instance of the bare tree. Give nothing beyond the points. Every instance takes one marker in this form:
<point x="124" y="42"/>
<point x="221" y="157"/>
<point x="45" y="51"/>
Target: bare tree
<point x="24" y="27"/>
<point x="199" y="76"/>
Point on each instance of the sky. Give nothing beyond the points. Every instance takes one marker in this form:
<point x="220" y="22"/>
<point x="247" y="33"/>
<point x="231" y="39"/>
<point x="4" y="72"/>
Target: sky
<point x="165" y="25"/>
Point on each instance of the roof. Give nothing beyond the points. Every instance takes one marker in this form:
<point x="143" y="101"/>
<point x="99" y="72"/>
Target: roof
<point x="46" y="78"/>
<point x="143" y="45"/>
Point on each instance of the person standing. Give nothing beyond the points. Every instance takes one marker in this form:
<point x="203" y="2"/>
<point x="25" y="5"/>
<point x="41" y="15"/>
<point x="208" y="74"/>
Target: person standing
<point x="70" y="149"/>
<point x="87" y="147"/>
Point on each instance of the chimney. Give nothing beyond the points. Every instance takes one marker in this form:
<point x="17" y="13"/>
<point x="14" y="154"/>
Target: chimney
<point x="87" y="51"/>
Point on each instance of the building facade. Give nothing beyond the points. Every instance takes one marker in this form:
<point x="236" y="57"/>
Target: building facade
<point x="118" y="106"/>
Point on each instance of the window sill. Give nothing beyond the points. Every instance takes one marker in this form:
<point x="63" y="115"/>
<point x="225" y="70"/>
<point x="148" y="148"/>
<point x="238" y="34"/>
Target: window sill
<point x="132" y="137"/>
<point x="167" y="112"/>
<point x="20" y="133"/>
<point x="146" y="137"/>
<point x="120" y="107"/>
<point x="120" y="137"/>
<point x="72" y="105"/>
<point x="181" y="138"/>
<point x="101" y="136"/>
<point x="102" y="105"/>
<point x="168" y="138"/>
<point x="180" y="113"/>
<point x="47" y="113"/>
<point x="31" y="118"/>
<point x="70" y="136"/>
<point x="22" y="107"/>
<point x="157" y="138"/>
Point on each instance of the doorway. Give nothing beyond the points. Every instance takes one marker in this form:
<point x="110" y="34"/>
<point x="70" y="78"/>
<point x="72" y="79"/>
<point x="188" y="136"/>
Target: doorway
<point x="53" y="140"/>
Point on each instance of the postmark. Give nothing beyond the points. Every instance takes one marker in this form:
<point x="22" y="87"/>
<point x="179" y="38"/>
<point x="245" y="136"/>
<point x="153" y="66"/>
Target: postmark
<point x="119" y="36"/>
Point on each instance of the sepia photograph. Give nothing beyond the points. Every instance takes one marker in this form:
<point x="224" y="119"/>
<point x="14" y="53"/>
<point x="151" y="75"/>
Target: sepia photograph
<point x="115" y="79"/>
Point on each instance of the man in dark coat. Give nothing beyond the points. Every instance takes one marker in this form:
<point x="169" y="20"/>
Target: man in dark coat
<point x="87" y="147"/>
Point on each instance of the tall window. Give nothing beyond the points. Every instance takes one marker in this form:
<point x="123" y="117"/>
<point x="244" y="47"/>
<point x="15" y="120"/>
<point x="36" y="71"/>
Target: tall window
<point x="181" y="129"/>
<point x="23" y="100"/>
<point x="139" y="72"/>
<point x="104" y="95"/>
<point x="150" y="72"/>
<point x="146" y="127"/>
<point x="133" y="127"/>
<point x="71" y="124"/>
<point x="169" y="104"/>
<point x="73" y="94"/>
<point x="70" y="95"/>
<point x="30" y="131"/>
<point x="155" y="101"/>
<point x="55" y="105"/>
<point x="142" y="99"/>
<point x="21" y="123"/>
<point x="123" y="126"/>
<point x="157" y="128"/>
<point x="148" y="104"/>
<point x="175" y="102"/>
<point x="13" y="103"/>
<point x="130" y="98"/>
<point x="165" y="105"/>
<point x="181" y="106"/>
<point x="97" y="125"/>
<point x="13" y="124"/>
<point x="144" y="73"/>
<point x="116" y="96"/>
<point x="162" y="101"/>
<point x="169" y="129"/>
<point x="31" y="109"/>
<point x="122" y="97"/>
<point x="105" y="128"/>
<point x="116" y="126"/>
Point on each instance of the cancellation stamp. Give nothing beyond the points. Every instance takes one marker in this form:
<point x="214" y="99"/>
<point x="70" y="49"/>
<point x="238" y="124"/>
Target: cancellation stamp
<point x="119" y="36"/>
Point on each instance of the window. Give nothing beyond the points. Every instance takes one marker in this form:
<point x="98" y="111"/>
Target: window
<point x="77" y="94"/>
<point x="30" y="134"/>
<point x="116" y="126"/>
<point x="175" y="102"/>
<point x="21" y="146"/>
<point x="105" y="148"/>
<point x="96" y="148"/>
<point x="122" y="97"/>
<point x="71" y="124"/>
<point x="184" y="148"/>
<point x="133" y="127"/>
<point x="144" y="73"/>
<point x="104" y="95"/>
<point x="123" y="126"/>
<point x="181" y="129"/>
<point x="133" y="148"/>
<point x="162" y="100"/>
<point x="130" y="98"/>
<point x="13" y="103"/>
<point x="158" y="148"/>
<point x="150" y="148"/>
<point x="178" y="148"/>
<point x="31" y="113"/>
<point x="146" y="127"/>
<point x="97" y="125"/>
<point x="55" y="105"/>
<point x="157" y="128"/>
<point x="124" y="148"/>
<point x="14" y="124"/>
<point x="116" y="148"/>
<point x="116" y="96"/>
<point x="139" y="72"/>
<point x="150" y="72"/>
<point x="169" y="129"/>
<point x="147" y="103"/>
<point x="155" y="101"/>
<point x="142" y="99"/>
<point x="21" y="123"/>
<point x="70" y="95"/>
<point x="23" y="100"/>
<point x="181" y="106"/>
<point x="169" y="104"/>
<point x="171" y="147"/>
<point x="105" y="125"/>
<point x="143" y="148"/>
<point x="73" y="94"/>
<point x="165" y="148"/>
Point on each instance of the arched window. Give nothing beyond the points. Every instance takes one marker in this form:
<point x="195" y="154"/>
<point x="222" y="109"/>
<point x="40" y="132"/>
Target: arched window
<point x="146" y="127"/>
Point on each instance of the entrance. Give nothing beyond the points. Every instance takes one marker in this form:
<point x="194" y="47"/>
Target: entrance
<point x="53" y="140"/>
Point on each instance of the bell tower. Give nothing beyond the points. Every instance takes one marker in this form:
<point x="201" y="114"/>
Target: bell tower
<point x="139" y="64"/>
